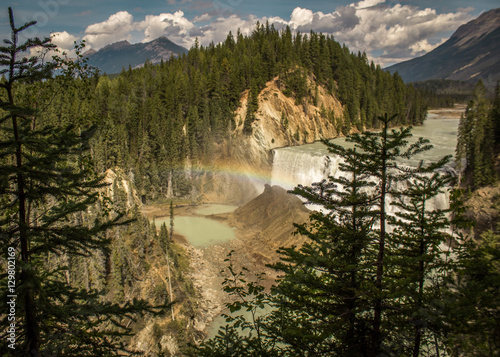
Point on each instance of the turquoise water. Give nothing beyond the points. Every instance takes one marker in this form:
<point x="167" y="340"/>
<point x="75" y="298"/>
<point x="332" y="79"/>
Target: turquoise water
<point x="442" y="134"/>
<point x="310" y="163"/>
<point x="207" y="210"/>
<point x="201" y="232"/>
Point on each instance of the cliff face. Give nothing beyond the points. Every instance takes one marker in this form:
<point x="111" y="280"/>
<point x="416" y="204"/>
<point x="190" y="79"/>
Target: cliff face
<point x="280" y="122"/>
<point x="243" y="164"/>
<point x="137" y="267"/>
<point x="483" y="208"/>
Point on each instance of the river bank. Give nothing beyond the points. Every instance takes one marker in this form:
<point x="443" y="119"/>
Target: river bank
<point x="265" y="223"/>
<point x="447" y="113"/>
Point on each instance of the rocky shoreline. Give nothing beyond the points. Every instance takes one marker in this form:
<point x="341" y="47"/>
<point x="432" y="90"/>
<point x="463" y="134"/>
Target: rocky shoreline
<point x="262" y="226"/>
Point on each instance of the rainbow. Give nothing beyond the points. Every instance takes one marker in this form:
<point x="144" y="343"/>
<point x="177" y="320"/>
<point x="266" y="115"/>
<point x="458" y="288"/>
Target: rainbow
<point x="257" y="176"/>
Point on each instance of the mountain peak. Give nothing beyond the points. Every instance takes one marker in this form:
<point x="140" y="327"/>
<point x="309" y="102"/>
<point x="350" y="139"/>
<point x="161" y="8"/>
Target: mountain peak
<point x="89" y="52"/>
<point x="113" y="57"/>
<point x="116" y="45"/>
<point x="471" y="53"/>
<point x="482" y="26"/>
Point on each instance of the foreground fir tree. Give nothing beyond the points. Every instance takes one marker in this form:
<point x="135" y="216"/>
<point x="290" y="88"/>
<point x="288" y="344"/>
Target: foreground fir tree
<point x="473" y="314"/>
<point x="377" y="178"/>
<point x="324" y="295"/>
<point x="420" y="264"/>
<point x="366" y="282"/>
<point x="46" y="185"/>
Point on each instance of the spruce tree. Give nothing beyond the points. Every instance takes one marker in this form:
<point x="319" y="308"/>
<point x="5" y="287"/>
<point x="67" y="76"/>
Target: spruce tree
<point x="476" y="140"/>
<point x="366" y="282"/>
<point x="380" y="153"/>
<point x="472" y="318"/>
<point x="324" y="293"/>
<point x="419" y="265"/>
<point x="47" y="181"/>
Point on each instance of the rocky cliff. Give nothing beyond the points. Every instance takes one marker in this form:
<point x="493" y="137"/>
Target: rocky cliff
<point x="243" y="163"/>
<point x="483" y="208"/>
<point x="281" y="121"/>
<point x="137" y="266"/>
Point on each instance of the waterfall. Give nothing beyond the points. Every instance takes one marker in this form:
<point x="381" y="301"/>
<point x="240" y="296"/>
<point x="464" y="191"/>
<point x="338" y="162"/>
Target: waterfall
<point x="307" y="164"/>
<point x="302" y="165"/>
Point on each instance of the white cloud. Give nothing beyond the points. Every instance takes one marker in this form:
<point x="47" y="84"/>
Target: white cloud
<point x="301" y="17"/>
<point x="116" y="28"/>
<point x="368" y="3"/>
<point x="63" y="40"/>
<point x="400" y="31"/>
<point x="218" y="30"/>
<point x="175" y="26"/>
<point x="422" y="47"/>
<point x="374" y="26"/>
<point x="202" y="18"/>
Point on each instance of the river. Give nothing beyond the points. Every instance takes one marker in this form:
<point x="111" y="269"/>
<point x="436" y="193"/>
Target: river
<point x="310" y="163"/>
<point x="199" y="230"/>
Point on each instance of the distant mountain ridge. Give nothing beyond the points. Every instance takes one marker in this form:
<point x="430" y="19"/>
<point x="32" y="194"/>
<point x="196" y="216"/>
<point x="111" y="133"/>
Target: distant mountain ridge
<point x="471" y="53"/>
<point x="112" y="58"/>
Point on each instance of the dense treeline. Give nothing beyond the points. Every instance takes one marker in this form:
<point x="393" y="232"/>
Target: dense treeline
<point x="479" y="139"/>
<point x="441" y="93"/>
<point x="78" y="254"/>
<point x="153" y="118"/>
<point x="372" y="281"/>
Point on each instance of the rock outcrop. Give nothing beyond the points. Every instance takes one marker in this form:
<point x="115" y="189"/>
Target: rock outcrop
<point x="281" y="122"/>
<point x="483" y="208"/>
<point x="268" y="220"/>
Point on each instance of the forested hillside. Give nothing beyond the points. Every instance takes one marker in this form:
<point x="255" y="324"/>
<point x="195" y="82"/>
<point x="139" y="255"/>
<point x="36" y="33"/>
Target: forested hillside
<point x="61" y="133"/>
<point x="85" y="269"/>
<point x="479" y="139"/>
<point x="152" y="119"/>
<point x="82" y="268"/>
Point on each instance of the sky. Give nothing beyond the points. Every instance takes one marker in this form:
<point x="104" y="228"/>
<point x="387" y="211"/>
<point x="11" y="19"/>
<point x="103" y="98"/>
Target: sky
<point x="388" y="31"/>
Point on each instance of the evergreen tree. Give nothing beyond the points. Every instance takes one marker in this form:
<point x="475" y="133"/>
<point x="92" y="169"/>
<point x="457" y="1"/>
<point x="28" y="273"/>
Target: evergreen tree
<point x="343" y="292"/>
<point x="495" y="116"/>
<point x="476" y="140"/>
<point x="46" y="182"/>
<point x="380" y="152"/>
<point x="324" y="294"/>
<point x="418" y="264"/>
<point x="147" y="116"/>
<point x="472" y="317"/>
<point x="164" y="238"/>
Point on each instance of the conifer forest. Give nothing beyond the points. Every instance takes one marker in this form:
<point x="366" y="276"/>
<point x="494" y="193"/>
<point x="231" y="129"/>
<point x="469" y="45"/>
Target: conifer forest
<point x="377" y="268"/>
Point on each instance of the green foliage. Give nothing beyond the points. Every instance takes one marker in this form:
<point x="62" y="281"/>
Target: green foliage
<point x="473" y="319"/>
<point x="444" y="93"/>
<point x="477" y="135"/>
<point x="418" y="264"/>
<point x="47" y="184"/>
<point x="329" y="278"/>
<point x="296" y="85"/>
<point x="252" y="107"/>
<point x="356" y="287"/>
<point x="164" y="238"/>
<point x="152" y="119"/>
